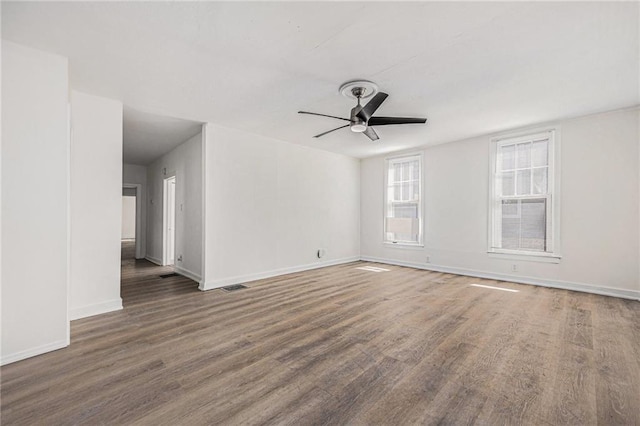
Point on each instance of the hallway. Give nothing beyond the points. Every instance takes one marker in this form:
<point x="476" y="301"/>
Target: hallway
<point x="141" y="282"/>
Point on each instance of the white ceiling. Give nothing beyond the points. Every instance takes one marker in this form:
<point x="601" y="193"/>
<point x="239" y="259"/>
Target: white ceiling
<point x="471" y="68"/>
<point x="146" y="137"/>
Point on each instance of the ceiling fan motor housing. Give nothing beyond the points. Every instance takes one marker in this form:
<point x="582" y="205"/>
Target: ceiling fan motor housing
<point x="357" y="124"/>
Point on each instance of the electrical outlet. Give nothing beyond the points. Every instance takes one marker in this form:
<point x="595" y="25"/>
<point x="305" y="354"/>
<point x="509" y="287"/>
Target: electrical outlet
<point x="180" y="258"/>
<point x="321" y="252"/>
<point x="428" y="259"/>
<point x="514" y="268"/>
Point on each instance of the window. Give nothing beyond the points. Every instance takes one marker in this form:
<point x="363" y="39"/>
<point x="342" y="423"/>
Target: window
<point x="522" y="204"/>
<point x="403" y="210"/>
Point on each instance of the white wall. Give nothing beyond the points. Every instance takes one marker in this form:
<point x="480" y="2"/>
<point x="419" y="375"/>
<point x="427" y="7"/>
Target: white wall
<point x="96" y="205"/>
<point x="133" y="174"/>
<point x="185" y="162"/>
<point x="271" y="205"/>
<point x="128" y="217"/>
<point x="599" y="207"/>
<point x="35" y="195"/>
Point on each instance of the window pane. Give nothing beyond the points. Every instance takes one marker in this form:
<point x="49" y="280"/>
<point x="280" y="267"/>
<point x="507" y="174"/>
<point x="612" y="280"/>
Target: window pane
<point x="405" y="238"/>
<point x="524" y="155"/>
<point x="510" y="208"/>
<point x="510" y="224"/>
<point x="540" y="181"/>
<point x="396" y="172"/>
<point x="405" y="171"/>
<point x="523" y="186"/>
<point x="405" y="210"/>
<point x="395" y="195"/>
<point x="534" y="225"/>
<point x="416" y="171"/>
<point x="539" y="154"/>
<point x="507" y="157"/>
<point x="405" y="192"/>
<point x="524" y="225"/>
<point x="508" y="183"/>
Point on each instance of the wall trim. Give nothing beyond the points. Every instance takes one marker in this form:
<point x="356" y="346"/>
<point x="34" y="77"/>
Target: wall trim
<point x="239" y="279"/>
<point x="95" y="309"/>
<point x="187" y="273"/>
<point x="154" y="260"/>
<point x="565" y="285"/>
<point x="38" y="350"/>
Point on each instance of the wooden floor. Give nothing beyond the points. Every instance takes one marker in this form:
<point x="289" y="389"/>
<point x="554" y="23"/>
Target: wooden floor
<point x="338" y="345"/>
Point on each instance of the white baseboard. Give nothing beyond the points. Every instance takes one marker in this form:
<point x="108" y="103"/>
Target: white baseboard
<point x="18" y="356"/>
<point x="95" y="309"/>
<point x="240" y="279"/>
<point x="154" y="260"/>
<point x="565" y="285"/>
<point x="187" y="273"/>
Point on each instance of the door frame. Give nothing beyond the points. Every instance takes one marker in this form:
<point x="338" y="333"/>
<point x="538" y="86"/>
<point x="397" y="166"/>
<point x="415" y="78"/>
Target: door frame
<point x="165" y="214"/>
<point x="139" y="216"/>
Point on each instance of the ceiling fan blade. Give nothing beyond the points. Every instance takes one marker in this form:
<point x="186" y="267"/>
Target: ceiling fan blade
<point x="367" y="111"/>
<point x="384" y="121"/>
<point x="371" y="134"/>
<point x="323" y="115"/>
<point x="332" y="130"/>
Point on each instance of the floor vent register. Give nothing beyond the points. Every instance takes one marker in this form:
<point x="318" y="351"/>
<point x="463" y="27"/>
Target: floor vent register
<point x="234" y="287"/>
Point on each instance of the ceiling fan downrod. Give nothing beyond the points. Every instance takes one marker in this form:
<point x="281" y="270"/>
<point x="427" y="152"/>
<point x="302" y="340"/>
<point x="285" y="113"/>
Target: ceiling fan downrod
<point x="358" y="125"/>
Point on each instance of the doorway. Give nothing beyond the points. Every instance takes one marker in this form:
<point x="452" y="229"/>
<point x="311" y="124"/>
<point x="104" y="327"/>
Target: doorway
<point x="135" y="190"/>
<point x="128" y="232"/>
<point x="169" y="221"/>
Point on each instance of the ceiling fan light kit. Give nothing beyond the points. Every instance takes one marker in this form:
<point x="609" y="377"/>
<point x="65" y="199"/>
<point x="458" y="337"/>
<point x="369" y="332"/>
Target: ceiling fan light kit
<point x="361" y="118"/>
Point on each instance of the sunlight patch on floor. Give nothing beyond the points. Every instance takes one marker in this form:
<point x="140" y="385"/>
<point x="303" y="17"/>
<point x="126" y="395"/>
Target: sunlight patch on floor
<point x="495" y="288"/>
<point x="372" y="269"/>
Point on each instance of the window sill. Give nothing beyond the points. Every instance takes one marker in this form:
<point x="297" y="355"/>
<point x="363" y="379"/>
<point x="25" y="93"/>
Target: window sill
<point x="405" y="246"/>
<point x="526" y="256"/>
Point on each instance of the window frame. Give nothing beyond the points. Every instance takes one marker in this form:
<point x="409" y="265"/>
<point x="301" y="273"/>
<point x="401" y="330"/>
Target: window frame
<point x="397" y="159"/>
<point x="552" y="253"/>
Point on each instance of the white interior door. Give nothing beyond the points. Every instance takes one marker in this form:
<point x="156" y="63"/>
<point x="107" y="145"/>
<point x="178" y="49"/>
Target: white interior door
<point x="170" y="220"/>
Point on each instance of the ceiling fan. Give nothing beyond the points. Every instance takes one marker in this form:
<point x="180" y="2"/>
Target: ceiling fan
<point x="361" y="119"/>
